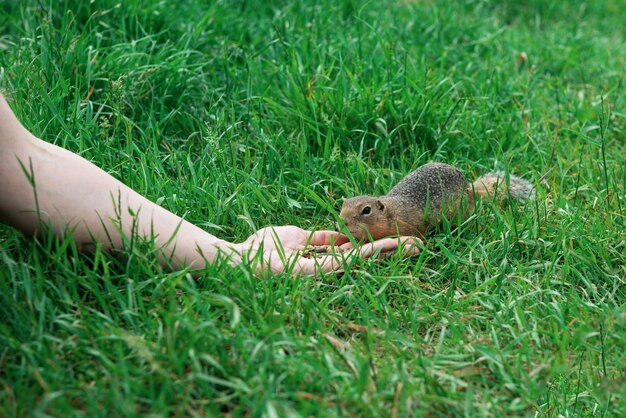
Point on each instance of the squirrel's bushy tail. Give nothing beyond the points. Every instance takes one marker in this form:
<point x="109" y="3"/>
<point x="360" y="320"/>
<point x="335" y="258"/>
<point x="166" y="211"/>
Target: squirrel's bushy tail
<point x="497" y="184"/>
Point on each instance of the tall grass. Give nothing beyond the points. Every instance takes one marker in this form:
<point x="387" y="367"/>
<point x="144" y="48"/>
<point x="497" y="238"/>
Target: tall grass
<point x="240" y="115"/>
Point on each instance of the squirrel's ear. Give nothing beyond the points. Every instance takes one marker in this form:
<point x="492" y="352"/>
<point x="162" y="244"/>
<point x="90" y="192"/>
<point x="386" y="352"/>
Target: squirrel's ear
<point x="380" y="205"/>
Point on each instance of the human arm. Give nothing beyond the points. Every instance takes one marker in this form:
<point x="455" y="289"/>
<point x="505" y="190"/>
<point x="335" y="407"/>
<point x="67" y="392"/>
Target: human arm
<point x="43" y="185"/>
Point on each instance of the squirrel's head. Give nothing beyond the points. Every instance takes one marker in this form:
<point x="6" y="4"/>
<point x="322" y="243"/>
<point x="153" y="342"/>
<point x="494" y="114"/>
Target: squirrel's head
<point x="363" y="215"/>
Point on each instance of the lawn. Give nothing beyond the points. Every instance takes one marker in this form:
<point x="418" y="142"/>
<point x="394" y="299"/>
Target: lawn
<point x="244" y="114"/>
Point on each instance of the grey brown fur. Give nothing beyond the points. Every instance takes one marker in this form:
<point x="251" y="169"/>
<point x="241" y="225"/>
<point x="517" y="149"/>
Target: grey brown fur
<point x="423" y="199"/>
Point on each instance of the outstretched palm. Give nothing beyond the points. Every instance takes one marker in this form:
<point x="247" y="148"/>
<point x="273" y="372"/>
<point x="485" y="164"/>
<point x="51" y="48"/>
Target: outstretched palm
<point x="289" y="248"/>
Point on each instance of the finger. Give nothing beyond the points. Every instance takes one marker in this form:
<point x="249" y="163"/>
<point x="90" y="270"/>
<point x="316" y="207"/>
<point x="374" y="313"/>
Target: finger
<point x="326" y="237"/>
<point x="346" y="247"/>
<point x="387" y="245"/>
<point x="381" y="248"/>
<point x="411" y="244"/>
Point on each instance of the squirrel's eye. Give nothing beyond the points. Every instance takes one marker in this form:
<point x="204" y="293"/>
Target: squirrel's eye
<point x="366" y="210"/>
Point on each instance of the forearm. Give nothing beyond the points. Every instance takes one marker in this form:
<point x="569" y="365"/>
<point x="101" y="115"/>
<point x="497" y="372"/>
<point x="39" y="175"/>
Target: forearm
<point x="70" y="194"/>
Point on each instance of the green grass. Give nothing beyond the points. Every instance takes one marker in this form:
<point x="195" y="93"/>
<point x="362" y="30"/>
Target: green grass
<point x="245" y="114"/>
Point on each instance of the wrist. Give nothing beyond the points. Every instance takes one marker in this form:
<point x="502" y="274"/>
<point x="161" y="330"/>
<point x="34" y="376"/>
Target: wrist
<point x="225" y="251"/>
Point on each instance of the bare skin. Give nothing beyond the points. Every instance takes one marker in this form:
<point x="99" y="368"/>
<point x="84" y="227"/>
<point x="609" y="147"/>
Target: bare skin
<point x="74" y="195"/>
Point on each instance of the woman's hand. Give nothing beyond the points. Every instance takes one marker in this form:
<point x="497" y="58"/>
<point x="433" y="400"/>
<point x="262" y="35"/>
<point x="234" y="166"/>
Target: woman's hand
<point x="289" y="248"/>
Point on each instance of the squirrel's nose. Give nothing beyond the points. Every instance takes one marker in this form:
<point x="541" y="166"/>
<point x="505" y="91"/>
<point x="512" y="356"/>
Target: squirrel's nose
<point x="341" y="224"/>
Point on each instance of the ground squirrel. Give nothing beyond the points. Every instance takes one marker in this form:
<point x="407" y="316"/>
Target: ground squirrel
<point x="423" y="198"/>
